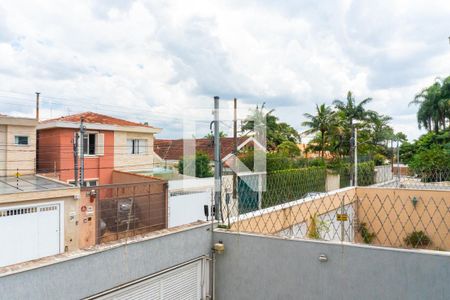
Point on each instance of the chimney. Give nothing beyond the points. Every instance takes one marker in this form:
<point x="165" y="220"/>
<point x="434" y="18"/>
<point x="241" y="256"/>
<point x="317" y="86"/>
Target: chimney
<point x="37" y="106"/>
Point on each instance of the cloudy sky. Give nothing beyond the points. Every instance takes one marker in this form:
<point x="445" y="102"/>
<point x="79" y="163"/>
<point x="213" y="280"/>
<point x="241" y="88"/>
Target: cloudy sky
<point x="158" y="61"/>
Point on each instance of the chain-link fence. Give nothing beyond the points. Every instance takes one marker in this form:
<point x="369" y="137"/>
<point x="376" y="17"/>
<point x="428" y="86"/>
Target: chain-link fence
<point x="117" y="211"/>
<point x="388" y="207"/>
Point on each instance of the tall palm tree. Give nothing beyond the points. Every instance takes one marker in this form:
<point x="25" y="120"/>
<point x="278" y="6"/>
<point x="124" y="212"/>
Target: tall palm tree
<point x="351" y="110"/>
<point x="378" y="126"/>
<point x="321" y="122"/>
<point x="434" y="105"/>
<point x="347" y="113"/>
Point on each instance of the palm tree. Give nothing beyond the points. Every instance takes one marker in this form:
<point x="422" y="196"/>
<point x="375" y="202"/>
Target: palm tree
<point x="434" y="105"/>
<point x="321" y="122"/>
<point x="350" y="110"/>
<point x="347" y="113"/>
<point x="378" y="126"/>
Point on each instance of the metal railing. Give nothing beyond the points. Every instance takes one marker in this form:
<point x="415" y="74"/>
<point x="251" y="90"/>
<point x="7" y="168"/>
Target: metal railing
<point x="403" y="210"/>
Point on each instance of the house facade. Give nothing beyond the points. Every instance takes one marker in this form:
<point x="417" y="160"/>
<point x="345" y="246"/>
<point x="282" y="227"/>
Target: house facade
<point x="38" y="215"/>
<point x="108" y="144"/>
<point x="18" y="145"/>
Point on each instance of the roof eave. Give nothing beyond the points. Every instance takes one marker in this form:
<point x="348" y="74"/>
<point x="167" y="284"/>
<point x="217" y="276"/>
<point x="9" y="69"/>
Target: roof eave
<point x="98" y="126"/>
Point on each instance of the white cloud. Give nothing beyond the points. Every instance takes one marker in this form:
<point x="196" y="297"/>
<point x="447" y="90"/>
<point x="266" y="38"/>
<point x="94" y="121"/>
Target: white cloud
<point x="152" y="60"/>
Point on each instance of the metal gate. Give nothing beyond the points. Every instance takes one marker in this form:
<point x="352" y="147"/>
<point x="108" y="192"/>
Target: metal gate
<point x="187" y="281"/>
<point x="30" y="232"/>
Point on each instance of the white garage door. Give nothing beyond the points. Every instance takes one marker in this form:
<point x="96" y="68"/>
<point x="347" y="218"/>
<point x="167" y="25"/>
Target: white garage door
<point x="30" y="232"/>
<point x="189" y="281"/>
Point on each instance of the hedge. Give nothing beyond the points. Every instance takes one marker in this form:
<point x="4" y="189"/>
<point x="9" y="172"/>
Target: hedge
<point x="366" y="174"/>
<point x="289" y="185"/>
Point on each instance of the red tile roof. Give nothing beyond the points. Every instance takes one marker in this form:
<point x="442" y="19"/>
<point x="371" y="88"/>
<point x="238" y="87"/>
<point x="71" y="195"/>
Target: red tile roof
<point x="173" y="149"/>
<point x="91" y="117"/>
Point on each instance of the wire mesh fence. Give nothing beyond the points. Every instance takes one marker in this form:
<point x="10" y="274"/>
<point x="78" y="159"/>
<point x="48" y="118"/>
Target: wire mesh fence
<point x="124" y="210"/>
<point x="388" y="207"/>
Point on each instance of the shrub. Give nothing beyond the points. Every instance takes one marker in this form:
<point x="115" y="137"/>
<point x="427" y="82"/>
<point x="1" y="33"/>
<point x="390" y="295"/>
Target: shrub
<point x="316" y="227"/>
<point x="417" y="239"/>
<point x="288" y="149"/>
<point x="379" y="159"/>
<point x="432" y="165"/>
<point x="365" y="234"/>
<point x="366" y="174"/>
<point x="202" y="166"/>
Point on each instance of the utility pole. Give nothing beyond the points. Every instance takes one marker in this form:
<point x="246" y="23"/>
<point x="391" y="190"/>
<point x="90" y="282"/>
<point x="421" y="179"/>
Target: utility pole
<point x="392" y="157"/>
<point x="356" y="157"/>
<point x="398" y="161"/>
<point x="235" y="148"/>
<point x="37" y="106"/>
<point x="352" y="145"/>
<point x="82" y="131"/>
<point x="75" y="157"/>
<point x="217" y="162"/>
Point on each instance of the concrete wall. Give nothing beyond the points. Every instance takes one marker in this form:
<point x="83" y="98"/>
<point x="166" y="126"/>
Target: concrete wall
<point x="78" y="275"/>
<point x="383" y="173"/>
<point x="188" y="207"/>
<point x="257" y="267"/>
<point x="332" y="182"/>
<point x="331" y="231"/>
<point x="14" y="157"/>
<point x="55" y="152"/>
<point x="390" y="213"/>
<point x="273" y="220"/>
<point x="125" y="161"/>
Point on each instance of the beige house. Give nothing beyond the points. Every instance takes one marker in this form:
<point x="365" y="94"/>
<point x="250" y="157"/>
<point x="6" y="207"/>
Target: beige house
<point x="38" y="216"/>
<point x="133" y="148"/>
<point x="18" y="145"/>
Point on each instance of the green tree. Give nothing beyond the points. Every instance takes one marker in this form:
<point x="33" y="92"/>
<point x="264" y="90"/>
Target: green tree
<point x="348" y="112"/>
<point x="289" y="149"/>
<point x="321" y="122"/>
<point x="211" y="135"/>
<point x="434" y="106"/>
<point x="432" y="164"/>
<point x="265" y="123"/>
<point x="202" y="165"/>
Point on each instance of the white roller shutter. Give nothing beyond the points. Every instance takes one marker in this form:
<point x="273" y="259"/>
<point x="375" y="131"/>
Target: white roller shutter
<point x="188" y="282"/>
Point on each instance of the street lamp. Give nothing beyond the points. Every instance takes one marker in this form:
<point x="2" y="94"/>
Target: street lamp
<point x="355" y="163"/>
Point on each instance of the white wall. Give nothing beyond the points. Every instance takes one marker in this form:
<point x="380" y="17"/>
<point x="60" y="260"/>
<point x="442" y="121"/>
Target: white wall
<point x="383" y="173"/>
<point x="188" y="208"/>
<point x="331" y="229"/>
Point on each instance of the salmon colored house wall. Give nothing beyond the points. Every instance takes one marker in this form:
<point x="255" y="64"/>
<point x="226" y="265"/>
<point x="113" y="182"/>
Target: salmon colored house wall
<point x="48" y="151"/>
<point x="55" y="149"/>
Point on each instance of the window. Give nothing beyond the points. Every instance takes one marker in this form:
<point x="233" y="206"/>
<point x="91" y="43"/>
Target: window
<point x="21" y="140"/>
<point x="89" y="143"/>
<point x="90" y="183"/>
<point x="136" y="146"/>
<point x="87" y="183"/>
